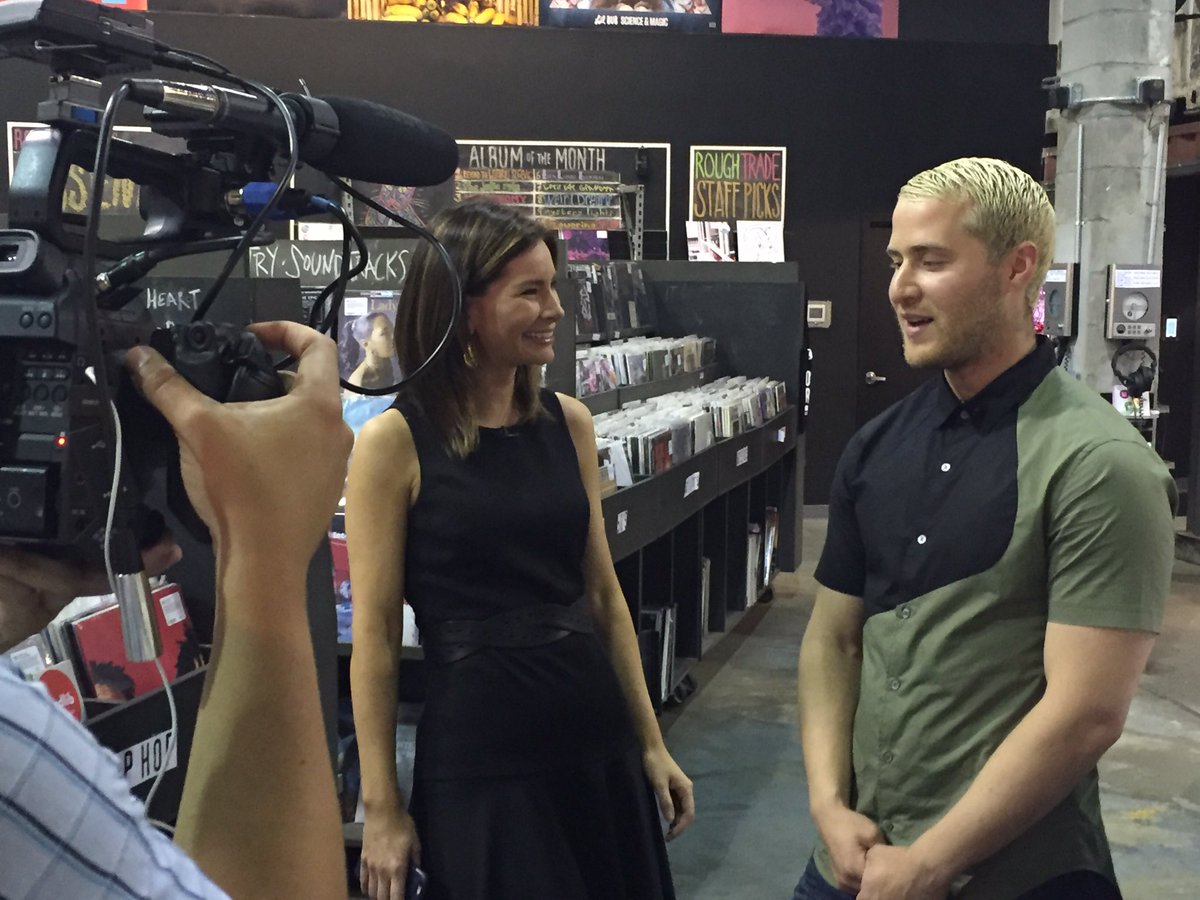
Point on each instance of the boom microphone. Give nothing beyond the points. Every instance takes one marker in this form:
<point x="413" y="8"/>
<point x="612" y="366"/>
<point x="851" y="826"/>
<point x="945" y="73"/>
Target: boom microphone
<point x="343" y="136"/>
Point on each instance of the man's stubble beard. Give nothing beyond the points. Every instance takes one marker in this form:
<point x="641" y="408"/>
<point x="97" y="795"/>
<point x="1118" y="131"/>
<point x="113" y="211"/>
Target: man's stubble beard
<point x="964" y="342"/>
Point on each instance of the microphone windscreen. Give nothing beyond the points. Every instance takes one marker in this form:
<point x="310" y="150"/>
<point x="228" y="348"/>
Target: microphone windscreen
<point x="386" y="146"/>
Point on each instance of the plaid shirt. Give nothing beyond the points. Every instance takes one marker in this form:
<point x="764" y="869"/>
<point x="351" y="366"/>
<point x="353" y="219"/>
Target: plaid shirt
<point x="69" y="826"/>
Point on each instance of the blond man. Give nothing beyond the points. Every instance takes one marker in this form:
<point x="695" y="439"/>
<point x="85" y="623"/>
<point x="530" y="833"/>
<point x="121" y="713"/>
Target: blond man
<point x="979" y="629"/>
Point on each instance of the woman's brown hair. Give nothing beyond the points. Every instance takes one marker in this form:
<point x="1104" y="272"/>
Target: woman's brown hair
<point x="482" y="237"/>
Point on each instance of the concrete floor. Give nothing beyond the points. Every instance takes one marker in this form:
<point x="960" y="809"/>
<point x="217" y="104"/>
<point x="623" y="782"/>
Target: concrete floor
<point x="736" y="737"/>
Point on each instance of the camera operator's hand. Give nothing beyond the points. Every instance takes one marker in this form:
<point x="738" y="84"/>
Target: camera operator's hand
<point x="268" y="472"/>
<point x="259" y="811"/>
<point x="35" y="588"/>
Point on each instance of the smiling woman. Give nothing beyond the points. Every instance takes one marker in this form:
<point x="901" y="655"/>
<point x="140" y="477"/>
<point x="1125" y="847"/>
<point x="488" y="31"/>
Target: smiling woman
<point x="476" y="498"/>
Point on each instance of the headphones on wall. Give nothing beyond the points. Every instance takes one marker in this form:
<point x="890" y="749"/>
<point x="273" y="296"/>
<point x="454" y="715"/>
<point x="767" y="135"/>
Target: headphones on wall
<point x="1138" y="381"/>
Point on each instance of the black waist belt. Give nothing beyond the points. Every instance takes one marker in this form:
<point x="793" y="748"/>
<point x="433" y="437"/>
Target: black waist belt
<point x="529" y="626"/>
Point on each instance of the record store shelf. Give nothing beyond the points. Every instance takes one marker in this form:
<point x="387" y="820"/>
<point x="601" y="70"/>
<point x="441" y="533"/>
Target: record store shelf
<point x="618" y="397"/>
<point x="665" y="531"/>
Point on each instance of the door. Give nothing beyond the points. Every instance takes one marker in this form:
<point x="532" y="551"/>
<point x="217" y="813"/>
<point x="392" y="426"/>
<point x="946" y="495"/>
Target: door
<point x="883" y="375"/>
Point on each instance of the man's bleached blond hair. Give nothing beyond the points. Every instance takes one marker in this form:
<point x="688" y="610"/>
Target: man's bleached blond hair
<point x="1005" y="207"/>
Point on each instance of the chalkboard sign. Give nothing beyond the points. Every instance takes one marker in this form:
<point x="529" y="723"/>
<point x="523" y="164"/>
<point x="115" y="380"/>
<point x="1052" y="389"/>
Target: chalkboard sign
<point x="729" y="184"/>
<point x="317" y="263"/>
<point x="575" y="183"/>
<point x="173" y="300"/>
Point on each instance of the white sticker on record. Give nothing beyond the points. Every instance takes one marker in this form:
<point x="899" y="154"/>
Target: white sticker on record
<point x="172" y="607"/>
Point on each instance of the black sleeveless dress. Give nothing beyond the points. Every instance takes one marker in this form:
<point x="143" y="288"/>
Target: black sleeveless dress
<point x="528" y="782"/>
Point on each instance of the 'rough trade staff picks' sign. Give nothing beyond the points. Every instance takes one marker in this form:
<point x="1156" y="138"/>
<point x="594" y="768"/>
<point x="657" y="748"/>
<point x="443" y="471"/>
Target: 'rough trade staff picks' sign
<point x="737" y="183"/>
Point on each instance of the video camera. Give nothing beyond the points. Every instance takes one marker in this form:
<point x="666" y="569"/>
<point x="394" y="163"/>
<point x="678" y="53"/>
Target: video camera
<point x="67" y="485"/>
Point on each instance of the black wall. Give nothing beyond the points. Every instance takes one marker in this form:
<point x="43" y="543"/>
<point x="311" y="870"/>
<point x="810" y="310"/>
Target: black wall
<point x="1181" y="286"/>
<point x="858" y="117"/>
<point x="996" y="21"/>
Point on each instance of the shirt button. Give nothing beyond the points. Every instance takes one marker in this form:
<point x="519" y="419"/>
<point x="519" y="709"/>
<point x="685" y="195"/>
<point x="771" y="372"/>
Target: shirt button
<point x="888" y="825"/>
<point x="904" y="612"/>
<point x="887" y="756"/>
<point x="894" y="684"/>
<point x="964" y="415"/>
<point x="921" y="539"/>
<point x="945" y="467"/>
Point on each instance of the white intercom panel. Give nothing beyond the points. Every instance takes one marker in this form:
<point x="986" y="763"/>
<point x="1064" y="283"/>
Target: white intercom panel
<point x="1059" y="300"/>
<point x="1134" y="302"/>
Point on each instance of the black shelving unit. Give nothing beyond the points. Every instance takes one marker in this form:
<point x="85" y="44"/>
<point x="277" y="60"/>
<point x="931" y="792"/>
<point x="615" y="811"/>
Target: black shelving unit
<point x="661" y="528"/>
<point x="134" y="732"/>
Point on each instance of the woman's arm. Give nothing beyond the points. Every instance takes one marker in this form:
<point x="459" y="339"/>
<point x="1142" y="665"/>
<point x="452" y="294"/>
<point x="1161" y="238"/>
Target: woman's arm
<point x="381" y="487"/>
<point x="610" y="610"/>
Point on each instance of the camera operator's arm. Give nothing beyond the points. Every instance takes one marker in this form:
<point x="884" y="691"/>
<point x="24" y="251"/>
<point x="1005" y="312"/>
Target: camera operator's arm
<point x="259" y="813"/>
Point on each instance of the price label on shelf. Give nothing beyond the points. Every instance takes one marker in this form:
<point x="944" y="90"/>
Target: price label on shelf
<point x="743" y="456"/>
<point x="781" y="436"/>
<point x="692" y="484"/>
<point x="622" y="521"/>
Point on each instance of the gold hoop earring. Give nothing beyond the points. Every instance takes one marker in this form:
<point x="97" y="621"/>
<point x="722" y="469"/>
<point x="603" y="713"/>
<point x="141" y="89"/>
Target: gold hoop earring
<point x="469" y="356"/>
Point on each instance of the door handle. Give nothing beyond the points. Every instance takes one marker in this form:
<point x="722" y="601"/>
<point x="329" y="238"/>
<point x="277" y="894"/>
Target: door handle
<point x="872" y="378"/>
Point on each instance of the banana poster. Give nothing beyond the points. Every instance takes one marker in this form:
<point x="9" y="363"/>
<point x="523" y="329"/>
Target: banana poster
<point x="454" y="12"/>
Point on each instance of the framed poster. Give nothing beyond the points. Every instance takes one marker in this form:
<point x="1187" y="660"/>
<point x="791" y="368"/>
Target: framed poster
<point x="656" y="15"/>
<point x="578" y="184"/>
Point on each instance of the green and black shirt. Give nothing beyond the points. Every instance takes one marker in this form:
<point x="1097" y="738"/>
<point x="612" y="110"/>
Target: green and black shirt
<point x="965" y="528"/>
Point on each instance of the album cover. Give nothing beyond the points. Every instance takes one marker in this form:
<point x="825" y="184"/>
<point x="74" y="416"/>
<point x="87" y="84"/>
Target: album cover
<point x="770" y="544"/>
<point x="681" y="440"/>
<point x="753" y="563"/>
<point x="104" y="671"/>
<point x="367" y="338"/>
<point x="660" y="451"/>
<point x="702" y="430"/>
<point x="643" y="302"/>
<point x="585" y="244"/>
<point x="341" y="583"/>
<point x="635" y="360"/>
<point x="576" y="290"/>
<point x="417" y="204"/>
<point x="608" y="472"/>
<point x="615" y="298"/>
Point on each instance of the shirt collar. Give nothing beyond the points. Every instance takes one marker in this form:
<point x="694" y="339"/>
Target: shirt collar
<point x="1004" y="393"/>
